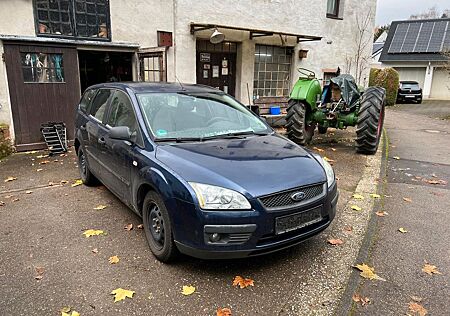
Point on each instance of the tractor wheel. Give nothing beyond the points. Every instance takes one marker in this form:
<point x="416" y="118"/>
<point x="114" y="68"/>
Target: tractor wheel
<point x="370" y="120"/>
<point x="322" y="129"/>
<point x="297" y="128"/>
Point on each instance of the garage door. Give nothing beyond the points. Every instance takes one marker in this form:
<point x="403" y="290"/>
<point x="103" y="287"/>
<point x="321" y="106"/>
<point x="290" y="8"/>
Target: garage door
<point x="440" y="87"/>
<point x="412" y="74"/>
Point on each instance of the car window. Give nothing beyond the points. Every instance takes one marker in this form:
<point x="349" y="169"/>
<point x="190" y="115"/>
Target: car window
<point x="86" y="99"/>
<point x="410" y="86"/>
<point x="99" y="103"/>
<point x="121" y="113"/>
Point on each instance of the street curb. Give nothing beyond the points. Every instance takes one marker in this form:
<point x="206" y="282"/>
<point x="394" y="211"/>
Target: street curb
<point x="346" y="306"/>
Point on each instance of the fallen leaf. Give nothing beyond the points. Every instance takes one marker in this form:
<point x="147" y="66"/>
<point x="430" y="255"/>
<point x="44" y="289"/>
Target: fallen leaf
<point x="374" y="195"/>
<point x="430" y="269"/>
<point x="358" y="196"/>
<point x="113" y="259"/>
<point x="93" y="232"/>
<point x="51" y="183"/>
<point x="120" y="294"/>
<point x="416" y="298"/>
<point x="188" y="290"/>
<point x="356" y="208"/>
<point x="361" y="299"/>
<point x="319" y="149"/>
<point x="95" y="250"/>
<point x="348" y="228"/>
<point x="2" y="203"/>
<point x="39" y="273"/>
<point x="67" y="311"/>
<point x="44" y="162"/>
<point x="63" y="181"/>
<point x="335" y="242"/>
<point x="9" y="179"/>
<point x="77" y="183"/>
<point x="406" y="199"/>
<point x="42" y="156"/>
<point x="396" y="157"/>
<point x="243" y="283"/>
<point x="402" y="230"/>
<point x="333" y="149"/>
<point x="39" y="169"/>
<point x="8" y="196"/>
<point x="417" y="309"/>
<point x="431" y="181"/>
<point x="100" y="207"/>
<point x="368" y="272"/>
<point x="223" y="312"/>
<point x="140" y="226"/>
<point x="128" y="227"/>
<point x="381" y="213"/>
<point x="328" y="159"/>
<point x="15" y="200"/>
<point x="28" y="192"/>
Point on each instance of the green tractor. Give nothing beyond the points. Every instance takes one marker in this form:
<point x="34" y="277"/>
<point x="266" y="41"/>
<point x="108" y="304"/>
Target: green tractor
<point x="339" y="105"/>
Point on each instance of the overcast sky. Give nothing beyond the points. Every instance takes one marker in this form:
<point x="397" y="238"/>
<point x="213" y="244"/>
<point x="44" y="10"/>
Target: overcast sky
<point x="391" y="10"/>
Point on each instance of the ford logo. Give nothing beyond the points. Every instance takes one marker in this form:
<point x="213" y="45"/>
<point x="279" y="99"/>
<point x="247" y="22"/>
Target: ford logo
<point x="298" y="196"/>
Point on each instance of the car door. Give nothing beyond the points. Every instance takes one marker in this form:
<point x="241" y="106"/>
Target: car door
<point x="95" y="130"/>
<point x="83" y="115"/>
<point x="119" y="153"/>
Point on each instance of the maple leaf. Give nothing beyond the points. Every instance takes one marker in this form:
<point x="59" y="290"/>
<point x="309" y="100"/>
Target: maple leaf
<point x="335" y="242"/>
<point x="77" y="183"/>
<point x="100" y="207"/>
<point x="430" y="269"/>
<point x="374" y="195"/>
<point x="406" y="199"/>
<point x="93" y="232"/>
<point x="120" y="294"/>
<point x="113" y="259"/>
<point x="402" y="230"/>
<point x="368" y="272"/>
<point x="242" y="282"/>
<point x="381" y="213"/>
<point x="417" y="309"/>
<point x="356" y="208"/>
<point x="358" y="196"/>
<point x="223" y="312"/>
<point x="188" y="290"/>
<point x="128" y="227"/>
<point x="9" y="179"/>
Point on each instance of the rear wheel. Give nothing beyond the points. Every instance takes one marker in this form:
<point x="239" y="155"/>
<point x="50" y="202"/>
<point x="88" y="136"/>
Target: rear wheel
<point x="370" y="120"/>
<point x="85" y="173"/>
<point x="298" y="129"/>
<point x="158" y="228"/>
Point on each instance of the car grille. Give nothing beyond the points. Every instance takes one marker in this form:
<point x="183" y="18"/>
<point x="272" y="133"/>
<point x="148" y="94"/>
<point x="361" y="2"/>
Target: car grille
<point x="283" y="199"/>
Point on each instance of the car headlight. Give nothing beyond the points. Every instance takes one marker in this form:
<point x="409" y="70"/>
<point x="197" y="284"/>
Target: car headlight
<point x="328" y="170"/>
<point x="211" y="197"/>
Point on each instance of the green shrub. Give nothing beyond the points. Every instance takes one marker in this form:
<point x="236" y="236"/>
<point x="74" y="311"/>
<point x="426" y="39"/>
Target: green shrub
<point x="6" y="148"/>
<point x="387" y="78"/>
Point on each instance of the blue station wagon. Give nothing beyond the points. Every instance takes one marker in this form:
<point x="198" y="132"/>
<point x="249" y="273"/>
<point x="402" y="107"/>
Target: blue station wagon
<point x="209" y="178"/>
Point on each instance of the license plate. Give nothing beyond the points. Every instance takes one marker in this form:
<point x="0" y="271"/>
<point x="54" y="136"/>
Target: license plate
<point x="409" y="96"/>
<point x="284" y="224"/>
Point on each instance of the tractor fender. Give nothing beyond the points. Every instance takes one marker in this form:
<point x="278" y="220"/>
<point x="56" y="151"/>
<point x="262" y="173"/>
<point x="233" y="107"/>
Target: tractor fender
<point x="307" y="91"/>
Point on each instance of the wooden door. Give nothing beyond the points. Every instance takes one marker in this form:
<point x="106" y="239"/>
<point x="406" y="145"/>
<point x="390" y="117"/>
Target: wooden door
<point x="218" y="70"/>
<point x="44" y="86"/>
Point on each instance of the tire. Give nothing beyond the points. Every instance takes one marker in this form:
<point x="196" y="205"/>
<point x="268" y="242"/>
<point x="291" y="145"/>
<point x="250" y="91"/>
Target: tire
<point x="85" y="173"/>
<point x="370" y="120"/>
<point x="322" y="129"/>
<point x="158" y="228"/>
<point x="419" y="101"/>
<point x="297" y="129"/>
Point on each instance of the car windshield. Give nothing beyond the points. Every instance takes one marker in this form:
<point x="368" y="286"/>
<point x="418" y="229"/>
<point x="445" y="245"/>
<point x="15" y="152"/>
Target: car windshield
<point x="197" y="116"/>
<point x="410" y="86"/>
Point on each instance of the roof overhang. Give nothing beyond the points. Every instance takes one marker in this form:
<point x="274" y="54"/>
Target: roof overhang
<point x="253" y="33"/>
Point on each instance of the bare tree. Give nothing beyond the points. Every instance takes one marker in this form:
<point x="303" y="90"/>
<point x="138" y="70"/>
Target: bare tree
<point x="446" y="64"/>
<point x="431" y="13"/>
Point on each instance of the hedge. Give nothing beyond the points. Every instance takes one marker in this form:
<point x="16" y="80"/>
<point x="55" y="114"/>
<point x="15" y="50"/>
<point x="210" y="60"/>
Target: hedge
<point x="387" y="78"/>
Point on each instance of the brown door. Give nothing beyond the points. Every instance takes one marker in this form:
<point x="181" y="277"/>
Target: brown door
<point x="216" y="66"/>
<point x="44" y="86"/>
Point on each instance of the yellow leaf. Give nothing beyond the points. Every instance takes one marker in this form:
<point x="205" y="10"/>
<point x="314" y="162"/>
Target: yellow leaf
<point x="396" y="157"/>
<point x="100" y="207"/>
<point x="114" y="259"/>
<point x="368" y="272"/>
<point x="356" y="208"/>
<point x="374" y="195"/>
<point x="120" y="294"/>
<point x="402" y="230"/>
<point x="9" y="179"/>
<point x="358" y="196"/>
<point x="188" y="290"/>
<point x="430" y="269"/>
<point x="328" y="159"/>
<point x="77" y="183"/>
<point x="417" y="308"/>
<point x="318" y="149"/>
<point x="66" y="311"/>
<point x="93" y="232"/>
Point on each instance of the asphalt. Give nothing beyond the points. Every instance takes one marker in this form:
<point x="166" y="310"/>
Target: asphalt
<point x="44" y="229"/>
<point x="419" y="151"/>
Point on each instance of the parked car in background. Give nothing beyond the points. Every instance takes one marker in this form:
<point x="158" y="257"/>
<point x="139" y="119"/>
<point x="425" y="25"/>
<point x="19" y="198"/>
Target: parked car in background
<point x="409" y="91"/>
<point x="209" y="178"/>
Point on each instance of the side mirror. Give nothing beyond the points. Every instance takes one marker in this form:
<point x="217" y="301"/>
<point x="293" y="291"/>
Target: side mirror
<point x="120" y="133"/>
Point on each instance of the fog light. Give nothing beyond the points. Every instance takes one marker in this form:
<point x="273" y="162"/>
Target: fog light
<point x="214" y="237"/>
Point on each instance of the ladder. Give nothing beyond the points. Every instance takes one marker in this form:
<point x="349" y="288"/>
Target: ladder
<point x="55" y="136"/>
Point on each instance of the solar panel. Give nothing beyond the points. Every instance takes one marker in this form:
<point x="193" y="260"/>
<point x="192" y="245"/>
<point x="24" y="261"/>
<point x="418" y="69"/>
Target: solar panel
<point x="437" y="37"/>
<point x="446" y="44"/>
<point x="424" y="37"/>
<point x="399" y="37"/>
<point x="411" y="37"/>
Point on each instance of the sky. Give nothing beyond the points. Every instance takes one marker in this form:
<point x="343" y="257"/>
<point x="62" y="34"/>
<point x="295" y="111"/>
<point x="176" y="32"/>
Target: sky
<point x="391" y="10"/>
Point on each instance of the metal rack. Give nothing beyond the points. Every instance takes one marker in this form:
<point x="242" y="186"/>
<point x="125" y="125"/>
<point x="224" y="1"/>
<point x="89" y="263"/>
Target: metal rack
<point x="55" y="136"/>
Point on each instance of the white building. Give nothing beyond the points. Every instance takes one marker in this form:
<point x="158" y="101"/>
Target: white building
<point x="53" y="49"/>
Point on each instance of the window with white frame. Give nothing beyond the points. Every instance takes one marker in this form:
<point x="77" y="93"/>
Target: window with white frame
<point x="152" y="67"/>
<point x="272" y="71"/>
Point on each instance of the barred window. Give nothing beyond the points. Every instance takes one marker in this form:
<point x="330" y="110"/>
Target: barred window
<point x="272" y="71"/>
<point x="42" y="68"/>
<point x="73" y="18"/>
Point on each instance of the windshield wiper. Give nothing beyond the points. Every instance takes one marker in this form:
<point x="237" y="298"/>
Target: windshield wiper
<point x="179" y="139"/>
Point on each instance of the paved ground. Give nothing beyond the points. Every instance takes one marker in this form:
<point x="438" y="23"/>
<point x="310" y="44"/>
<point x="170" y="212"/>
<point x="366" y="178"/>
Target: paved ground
<point x="44" y="229"/>
<point x="422" y="145"/>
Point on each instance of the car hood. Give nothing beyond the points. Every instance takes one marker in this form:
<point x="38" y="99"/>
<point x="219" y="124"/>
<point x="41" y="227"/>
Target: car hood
<point x="255" y="165"/>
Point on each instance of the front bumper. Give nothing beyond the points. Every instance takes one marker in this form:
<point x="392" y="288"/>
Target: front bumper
<point x="253" y="234"/>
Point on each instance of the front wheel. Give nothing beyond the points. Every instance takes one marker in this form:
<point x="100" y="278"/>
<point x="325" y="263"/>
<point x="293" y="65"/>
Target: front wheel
<point x="158" y="228"/>
<point x="370" y="120"/>
<point x="85" y="173"/>
<point x="297" y="127"/>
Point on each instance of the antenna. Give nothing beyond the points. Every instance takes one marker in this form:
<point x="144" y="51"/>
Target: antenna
<point x="182" y="87"/>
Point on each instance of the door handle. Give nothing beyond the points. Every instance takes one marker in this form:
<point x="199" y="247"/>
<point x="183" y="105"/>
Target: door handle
<point x="101" y="141"/>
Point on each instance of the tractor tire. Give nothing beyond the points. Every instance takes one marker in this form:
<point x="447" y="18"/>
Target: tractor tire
<point x="370" y="120"/>
<point x="297" y="129"/>
<point x="322" y="129"/>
